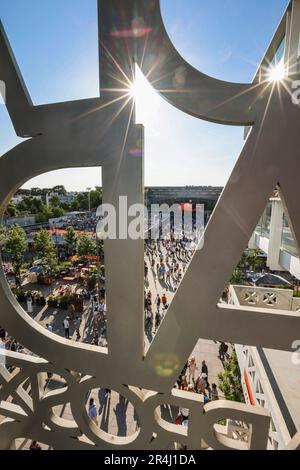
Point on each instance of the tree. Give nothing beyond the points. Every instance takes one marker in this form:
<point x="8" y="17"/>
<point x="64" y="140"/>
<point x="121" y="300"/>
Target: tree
<point x="82" y="202"/>
<point x="11" y="210"/>
<point x="230" y="381"/>
<point x="55" y="201"/>
<point x="56" y="212"/>
<point x="59" y="190"/>
<point x="25" y="206"/>
<point x="3" y="235"/>
<point x="37" y="205"/>
<point x="253" y="259"/>
<point x="44" y="247"/>
<point x="16" y="246"/>
<point x="70" y="238"/>
<point x="35" y="192"/>
<point x="96" y="199"/>
<point x="238" y="277"/>
<point x="86" y="246"/>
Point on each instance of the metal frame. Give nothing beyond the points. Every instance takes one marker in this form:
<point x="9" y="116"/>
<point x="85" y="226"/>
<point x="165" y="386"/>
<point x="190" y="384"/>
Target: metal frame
<point x="102" y="132"/>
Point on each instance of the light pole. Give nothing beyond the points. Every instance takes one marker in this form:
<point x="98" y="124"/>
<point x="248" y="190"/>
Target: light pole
<point x="89" y="198"/>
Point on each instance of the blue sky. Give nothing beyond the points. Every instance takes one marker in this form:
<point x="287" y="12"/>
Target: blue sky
<point x="55" y="42"/>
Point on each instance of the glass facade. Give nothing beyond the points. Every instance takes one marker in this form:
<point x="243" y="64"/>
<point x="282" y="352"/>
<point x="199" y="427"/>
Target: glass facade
<point x="288" y="243"/>
<point x="275" y="69"/>
<point x="279" y="55"/>
<point x="263" y="228"/>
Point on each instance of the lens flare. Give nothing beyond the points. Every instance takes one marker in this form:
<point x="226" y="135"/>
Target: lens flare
<point x="277" y="72"/>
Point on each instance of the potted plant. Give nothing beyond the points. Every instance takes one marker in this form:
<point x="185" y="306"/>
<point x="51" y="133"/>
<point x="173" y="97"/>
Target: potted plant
<point x="64" y="302"/>
<point x="52" y="302"/>
<point x="19" y="294"/>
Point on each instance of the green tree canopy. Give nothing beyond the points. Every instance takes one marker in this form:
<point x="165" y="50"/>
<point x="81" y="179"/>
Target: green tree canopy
<point x="86" y="246"/>
<point x="230" y="381"/>
<point x="59" y="190"/>
<point x="11" y="210"/>
<point x="70" y="238"/>
<point x="16" y="246"/>
<point x="44" y="247"/>
<point x="3" y="235"/>
<point x="82" y="200"/>
<point x="55" y="201"/>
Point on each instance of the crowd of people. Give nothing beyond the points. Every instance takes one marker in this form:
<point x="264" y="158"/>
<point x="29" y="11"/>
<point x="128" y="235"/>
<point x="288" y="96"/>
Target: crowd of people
<point x="195" y="379"/>
<point x="168" y="260"/>
<point x="10" y="344"/>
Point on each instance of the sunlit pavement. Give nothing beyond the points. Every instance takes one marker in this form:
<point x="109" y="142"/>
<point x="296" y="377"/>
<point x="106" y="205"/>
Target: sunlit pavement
<point x="204" y="349"/>
<point x="116" y="415"/>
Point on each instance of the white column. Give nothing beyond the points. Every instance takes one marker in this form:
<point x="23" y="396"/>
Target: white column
<point x="252" y="243"/>
<point x="275" y="235"/>
<point x="292" y="52"/>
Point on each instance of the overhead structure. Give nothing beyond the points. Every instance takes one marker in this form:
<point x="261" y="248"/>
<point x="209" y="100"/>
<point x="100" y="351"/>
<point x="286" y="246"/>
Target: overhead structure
<point x="102" y="132"/>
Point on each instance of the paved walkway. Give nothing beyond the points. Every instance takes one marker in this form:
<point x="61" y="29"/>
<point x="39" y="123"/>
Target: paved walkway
<point x="204" y="349"/>
<point x="116" y="414"/>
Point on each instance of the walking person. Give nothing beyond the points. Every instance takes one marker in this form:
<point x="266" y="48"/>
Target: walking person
<point x="214" y="393"/>
<point x="72" y="311"/>
<point x="149" y="320"/>
<point x="102" y="293"/>
<point x="93" y="414"/>
<point x="157" y="320"/>
<point x="158" y="302"/>
<point x="29" y="302"/>
<point x="183" y="416"/>
<point x="77" y="324"/>
<point x="94" y="304"/>
<point x="101" y="310"/>
<point x="66" y="325"/>
<point x="200" y="385"/>
<point x="35" y="446"/>
<point x="182" y="382"/>
<point x="192" y="368"/>
<point x="223" y="351"/>
<point x="204" y="370"/>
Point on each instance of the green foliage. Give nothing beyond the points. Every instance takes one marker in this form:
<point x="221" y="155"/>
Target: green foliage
<point x="56" y="212"/>
<point x="249" y="260"/>
<point x="3" y="235"/>
<point x="34" y="203"/>
<point x="19" y="294"/>
<point x="44" y="247"/>
<point x="92" y="281"/>
<point x="252" y="259"/>
<point x="37" y="207"/>
<point x="16" y="246"/>
<point x="54" y="201"/>
<point x="82" y="200"/>
<point x="86" y="246"/>
<point x="52" y="301"/>
<point x="238" y="277"/>
<point x="65" y="301"/>
<point x="230" y="381"/>
<point x="59" y="190"/>
<point x="11" y="210"/>
<point x="70" y="238"/>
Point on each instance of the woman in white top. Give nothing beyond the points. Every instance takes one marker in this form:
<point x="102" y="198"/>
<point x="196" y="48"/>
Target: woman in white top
<point x="29" y="303"/>
<point x="192" y="368"/>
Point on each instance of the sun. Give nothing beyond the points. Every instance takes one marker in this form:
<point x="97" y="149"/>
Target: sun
<point x="146" y="98"/>
<point x="277" y="72"/>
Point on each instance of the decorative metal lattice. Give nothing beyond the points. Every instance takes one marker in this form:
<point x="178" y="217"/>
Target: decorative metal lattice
<point x="102" y="132"/>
